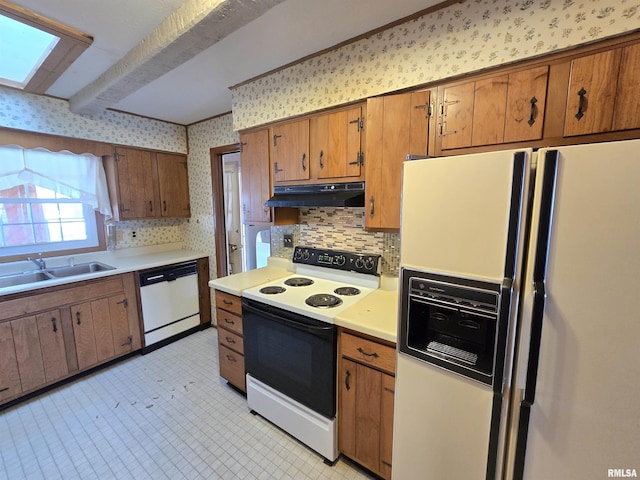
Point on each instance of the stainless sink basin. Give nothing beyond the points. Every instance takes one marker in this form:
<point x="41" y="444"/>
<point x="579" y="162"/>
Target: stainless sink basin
<point x="79" y="269"/>
<point x="15" y="279"/>
<point x="23" y="278"/>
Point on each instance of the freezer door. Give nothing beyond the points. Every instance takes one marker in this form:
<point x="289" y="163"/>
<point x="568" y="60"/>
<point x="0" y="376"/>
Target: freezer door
<point x="583" y="411"/>
<point x="460" y="215"/>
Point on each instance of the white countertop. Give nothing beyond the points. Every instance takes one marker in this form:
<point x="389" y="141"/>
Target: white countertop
<point x="376" y="314"/>
<point x="125" y="260"/>
<point x="236" y="283"/>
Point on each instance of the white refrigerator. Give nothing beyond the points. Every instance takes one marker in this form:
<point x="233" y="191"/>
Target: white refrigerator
<point x="554" y="235"/>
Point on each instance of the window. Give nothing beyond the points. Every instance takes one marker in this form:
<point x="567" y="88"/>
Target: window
<point x="48" y="201"/>
<point x="35" y="50"/>
<point x="37" y="220"/>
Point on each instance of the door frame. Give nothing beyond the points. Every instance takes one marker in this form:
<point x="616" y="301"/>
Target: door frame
<point x="217" y="195"/>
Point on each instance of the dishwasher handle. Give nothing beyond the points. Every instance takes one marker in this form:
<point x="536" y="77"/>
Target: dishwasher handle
<point x="168" y="273"/>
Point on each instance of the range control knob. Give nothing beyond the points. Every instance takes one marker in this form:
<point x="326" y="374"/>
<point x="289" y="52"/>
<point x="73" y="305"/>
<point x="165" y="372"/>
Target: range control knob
<point x="359" y="262"/>
<point x="368" y="263"/>
<point x="340" y="260"/>
<point x="305" y="254"/>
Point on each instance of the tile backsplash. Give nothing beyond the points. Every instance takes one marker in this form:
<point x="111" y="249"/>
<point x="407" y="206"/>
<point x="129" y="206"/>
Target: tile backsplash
<point x="338" y="229"/>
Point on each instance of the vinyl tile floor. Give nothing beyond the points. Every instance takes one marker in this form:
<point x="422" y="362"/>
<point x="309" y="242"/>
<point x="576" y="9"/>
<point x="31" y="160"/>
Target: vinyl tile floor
<point x="164" y="415"/>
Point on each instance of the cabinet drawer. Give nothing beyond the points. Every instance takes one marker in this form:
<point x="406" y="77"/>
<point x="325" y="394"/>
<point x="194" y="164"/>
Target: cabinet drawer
<point x="228" y="302"/>
<point x="232" y="367"/>
<point x="229" y="321"/>
<point x="368" y="352"/>
<point x="231" y="340"/>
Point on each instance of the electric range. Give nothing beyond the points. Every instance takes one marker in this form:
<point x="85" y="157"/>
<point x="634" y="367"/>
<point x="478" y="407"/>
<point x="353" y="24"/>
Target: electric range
<point x="290" y="341"/>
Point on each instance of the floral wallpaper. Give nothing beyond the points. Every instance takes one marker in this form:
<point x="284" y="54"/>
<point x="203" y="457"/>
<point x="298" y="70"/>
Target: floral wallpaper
<point x="469" y="36"/>
<point x="37" y="113"/>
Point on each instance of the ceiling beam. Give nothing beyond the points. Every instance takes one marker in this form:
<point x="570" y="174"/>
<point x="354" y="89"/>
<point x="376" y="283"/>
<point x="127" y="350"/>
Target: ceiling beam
<point x="191" y="29"/>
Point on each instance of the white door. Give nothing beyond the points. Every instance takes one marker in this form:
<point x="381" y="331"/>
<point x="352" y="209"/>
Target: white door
<point x="233" y="223"/>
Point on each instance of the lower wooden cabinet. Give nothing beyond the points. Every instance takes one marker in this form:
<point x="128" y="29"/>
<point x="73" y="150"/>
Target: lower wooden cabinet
<point x="53" y="333"/>
<point x="230" y="339"/>
<point x="366" y="370"/>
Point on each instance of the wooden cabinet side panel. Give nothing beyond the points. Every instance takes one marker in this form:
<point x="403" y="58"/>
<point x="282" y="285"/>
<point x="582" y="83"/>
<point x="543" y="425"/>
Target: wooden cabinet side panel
<point x="596" y="75"/>
<point x="54" y="355"/>
<point x="9" y="375"/>
<point x="204" y="292"/>
<point x="368" y="392"/>
<point x="526" y="101"/>
<point x="627" y="108"/>
<point x="347" y="380"/>
<point x="28" y="353"/>
<point x="386" y="424"/>
<point x="489" y="111"/>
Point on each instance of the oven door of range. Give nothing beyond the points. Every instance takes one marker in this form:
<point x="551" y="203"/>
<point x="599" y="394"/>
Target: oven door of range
<point x="293" y="354"/>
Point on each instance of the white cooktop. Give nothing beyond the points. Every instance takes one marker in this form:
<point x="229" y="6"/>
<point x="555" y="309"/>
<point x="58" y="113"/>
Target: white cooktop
<point x="325" y="281"/>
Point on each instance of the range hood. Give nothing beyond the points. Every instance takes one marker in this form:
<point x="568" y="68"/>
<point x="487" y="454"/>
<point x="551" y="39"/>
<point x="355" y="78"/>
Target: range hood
<point x="321" y="195"/>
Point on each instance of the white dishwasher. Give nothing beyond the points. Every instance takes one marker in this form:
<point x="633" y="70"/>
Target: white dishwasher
<point x="170" y="305"/>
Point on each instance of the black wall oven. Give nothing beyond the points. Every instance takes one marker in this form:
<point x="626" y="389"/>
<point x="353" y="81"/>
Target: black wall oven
<point x="291" y="353"/>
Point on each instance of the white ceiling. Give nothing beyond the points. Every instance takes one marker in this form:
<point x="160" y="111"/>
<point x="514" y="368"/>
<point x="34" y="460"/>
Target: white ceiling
<point x="199" y="88"/>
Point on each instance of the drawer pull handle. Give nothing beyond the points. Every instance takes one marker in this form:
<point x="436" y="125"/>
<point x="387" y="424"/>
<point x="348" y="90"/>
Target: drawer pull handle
<point x="230" y="340"/>
<point x="374" y="354"/>
<point x="227" y="302"/>
<point x="4" y="389"/>
<point x="231" y="358"/>
<point x="230" y="322"/>
<point x="386" y="389"/>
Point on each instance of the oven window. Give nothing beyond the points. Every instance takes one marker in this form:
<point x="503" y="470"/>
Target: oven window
<point x="293" y="354"/>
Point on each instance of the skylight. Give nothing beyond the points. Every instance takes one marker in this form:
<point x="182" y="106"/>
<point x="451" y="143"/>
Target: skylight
<point x="35" y="50"/>
<point x="24" y="49"/>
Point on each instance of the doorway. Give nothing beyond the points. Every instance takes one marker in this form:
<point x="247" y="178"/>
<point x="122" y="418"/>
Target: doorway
<point x="233" y="222"/>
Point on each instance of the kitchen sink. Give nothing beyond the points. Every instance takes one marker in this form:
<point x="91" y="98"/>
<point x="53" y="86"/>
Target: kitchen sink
<point x="79" y="269"/>
<point x="23" y="278"/>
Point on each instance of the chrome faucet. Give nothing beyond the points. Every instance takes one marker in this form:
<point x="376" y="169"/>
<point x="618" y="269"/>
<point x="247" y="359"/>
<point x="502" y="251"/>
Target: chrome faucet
<point x="38" y="261"/>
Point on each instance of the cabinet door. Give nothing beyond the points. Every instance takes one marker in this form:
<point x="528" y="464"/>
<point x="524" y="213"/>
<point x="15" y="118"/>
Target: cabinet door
<point x="388" y="143"/>
<point x="119" y="322"/>
<point x="368" y="395"/>
<point x="456" y="115"/>
<point x="82" y="318"/>
<point x="347" y="380"/>
<point x="290" y="151"/>
<point x="173" y="180"/>
<point x="591" y="94"/>
<point x="386" y="424"/>
<point x="28" y="353"/>
<point x="137" y="198"/>
<point x="54" y="355"/>
<point x="419" y="129"/>
<point x="489" y="102"/>
<point x="335" y="143"/>
<point x="9" y="375"/>
<point x="526" y="100"/>
<point x="627" y="111"/>
<point x="254" y="163"/>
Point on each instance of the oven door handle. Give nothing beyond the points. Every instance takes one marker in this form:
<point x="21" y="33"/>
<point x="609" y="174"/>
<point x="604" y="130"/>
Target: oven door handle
<point x="317" y="330"/>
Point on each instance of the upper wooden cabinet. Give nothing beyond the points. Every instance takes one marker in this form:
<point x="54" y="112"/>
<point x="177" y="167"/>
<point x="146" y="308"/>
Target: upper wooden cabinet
<point x="254" y="164"/>
<point x="335" y="143"/>
<point x="398" y="126"/>
<point x="145" y="184"/>
<point x="173" y="180"/>
<point x="501" y="109"/>
<point x="604" y="92"/>
<point x="290" y="151"/>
